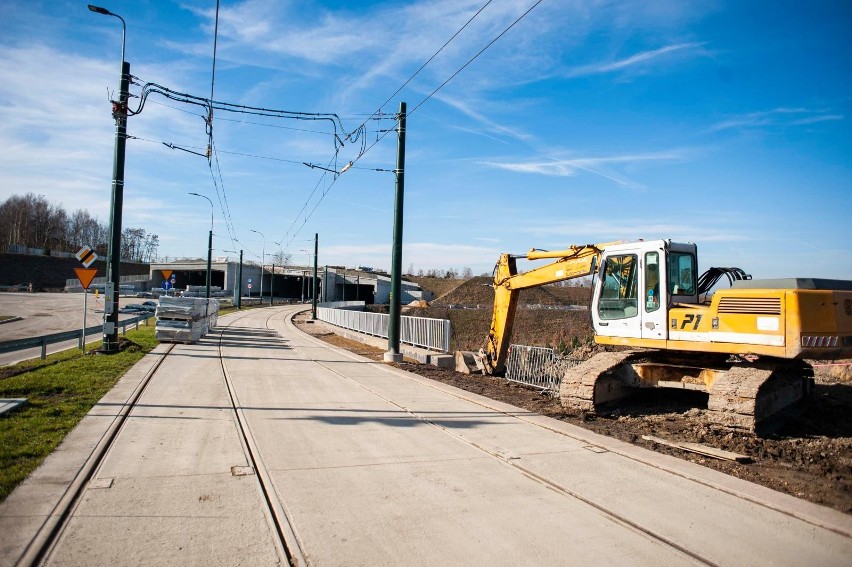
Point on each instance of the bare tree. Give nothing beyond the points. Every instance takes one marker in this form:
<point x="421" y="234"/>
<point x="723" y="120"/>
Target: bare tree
<point x="33" y="222"/>
<point x="138" y="246"/>
<point x="281" y="258"/>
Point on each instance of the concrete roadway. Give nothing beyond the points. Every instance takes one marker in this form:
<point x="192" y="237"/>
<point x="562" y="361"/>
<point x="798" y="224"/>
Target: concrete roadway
<point x="376" y="466"/>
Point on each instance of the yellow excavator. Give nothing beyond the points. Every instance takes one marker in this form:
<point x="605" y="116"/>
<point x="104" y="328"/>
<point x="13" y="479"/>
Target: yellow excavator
<point x="746" y="346"/>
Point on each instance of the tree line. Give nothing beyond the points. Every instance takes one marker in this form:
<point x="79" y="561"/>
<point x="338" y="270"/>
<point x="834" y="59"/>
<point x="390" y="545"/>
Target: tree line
<point x="31" y="221"/>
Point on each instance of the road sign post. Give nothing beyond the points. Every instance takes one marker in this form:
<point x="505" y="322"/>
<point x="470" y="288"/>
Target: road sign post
<point x="85" y="275"/>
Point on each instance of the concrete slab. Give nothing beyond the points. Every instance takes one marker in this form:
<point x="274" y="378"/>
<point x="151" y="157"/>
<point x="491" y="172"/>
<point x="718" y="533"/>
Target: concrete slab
<point x="377" y="466"/>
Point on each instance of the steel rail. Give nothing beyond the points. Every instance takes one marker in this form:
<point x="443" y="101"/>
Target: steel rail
<point x="45" y="539"/>
<point x="512" y="463"/>
<point x="287" y="541"/>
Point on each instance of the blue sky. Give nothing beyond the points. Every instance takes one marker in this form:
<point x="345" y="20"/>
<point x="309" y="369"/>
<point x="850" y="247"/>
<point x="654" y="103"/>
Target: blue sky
<point x="721" y="123"/>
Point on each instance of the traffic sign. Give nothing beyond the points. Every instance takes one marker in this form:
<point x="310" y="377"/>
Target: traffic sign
<point x="167" y="273"/>
<point x="85" y="275"/>
<point x="86" y="256"/>
<point x="249" y="286"/>
<point x="249" y="280"/>
<point x="166" y="284"/>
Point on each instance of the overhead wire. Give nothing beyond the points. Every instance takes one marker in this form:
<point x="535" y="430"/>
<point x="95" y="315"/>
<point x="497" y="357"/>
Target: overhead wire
<point x="472" y="59"/>
<point x="340" y="136"/>
<point x="423" y="66"/>
<point x="429" y="96"/>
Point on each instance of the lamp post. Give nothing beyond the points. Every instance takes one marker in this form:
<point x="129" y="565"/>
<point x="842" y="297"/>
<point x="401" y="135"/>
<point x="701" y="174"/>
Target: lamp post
<point x="235" y="273"/>
<point x="262" y="262"/>
<point x="304" y="272"/>
<point x="119" y="112"/>
<point x="209" y="241"/>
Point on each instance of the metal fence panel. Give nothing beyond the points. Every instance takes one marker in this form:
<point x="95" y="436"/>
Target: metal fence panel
<point x="418" y="331"/>
<point x="538" y="367"/>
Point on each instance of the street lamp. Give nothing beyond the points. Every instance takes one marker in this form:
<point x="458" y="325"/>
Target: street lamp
<point x="262" y="262"/>
<point x="235" y="273"/>
<point x="305" y="272"/>
<point x="209" y="241"/>
<point x="119" y="112"/>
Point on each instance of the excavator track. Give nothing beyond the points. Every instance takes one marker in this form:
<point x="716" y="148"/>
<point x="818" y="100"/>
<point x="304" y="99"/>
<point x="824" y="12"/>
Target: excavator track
<point x="594" y="381"/>
<point x="744" y="397"/>
<point x="740" y="396"/>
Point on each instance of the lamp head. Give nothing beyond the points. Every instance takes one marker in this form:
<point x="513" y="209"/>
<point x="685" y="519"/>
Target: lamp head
<point x="99" y="10"/>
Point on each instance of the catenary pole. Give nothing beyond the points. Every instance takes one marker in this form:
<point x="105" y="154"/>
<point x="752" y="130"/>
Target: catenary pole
<point x="315" y="283"/>
<point x="393" y="354"/>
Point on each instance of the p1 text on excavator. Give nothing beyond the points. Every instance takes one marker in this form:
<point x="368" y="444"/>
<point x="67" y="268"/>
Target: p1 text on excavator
<point x="746" y="346"/>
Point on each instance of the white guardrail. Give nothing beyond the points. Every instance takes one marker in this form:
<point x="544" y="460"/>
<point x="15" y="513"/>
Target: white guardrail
<point x="418" y="331"/>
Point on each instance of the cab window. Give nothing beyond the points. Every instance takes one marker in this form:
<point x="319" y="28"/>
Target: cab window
<point x="619" y="292"/>
<point x="652" y="281"/>
<point x="681" y="273"/>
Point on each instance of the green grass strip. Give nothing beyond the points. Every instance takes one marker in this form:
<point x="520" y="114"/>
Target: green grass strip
<point x="61" y="391"/>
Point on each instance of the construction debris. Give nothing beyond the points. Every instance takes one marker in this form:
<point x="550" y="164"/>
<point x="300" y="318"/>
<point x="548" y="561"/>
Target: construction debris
<point x="701" y="449"/>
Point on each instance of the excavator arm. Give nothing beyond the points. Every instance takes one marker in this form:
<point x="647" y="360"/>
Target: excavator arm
<point x="574" y="262"/>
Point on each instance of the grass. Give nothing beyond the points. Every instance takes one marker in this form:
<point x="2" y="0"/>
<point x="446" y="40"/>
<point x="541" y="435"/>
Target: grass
<point x="61" y="391"/>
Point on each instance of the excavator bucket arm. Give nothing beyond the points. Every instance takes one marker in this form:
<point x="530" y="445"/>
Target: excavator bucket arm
<point x="574" y="262"/>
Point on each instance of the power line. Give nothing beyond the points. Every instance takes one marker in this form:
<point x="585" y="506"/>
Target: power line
<point x="481" y="51"/>
<point x="411" y="78"/>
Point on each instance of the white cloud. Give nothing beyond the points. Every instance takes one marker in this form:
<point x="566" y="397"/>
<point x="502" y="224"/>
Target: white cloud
<point x="601" y="166"/>
<point x="777" y="117"/>
<point x="643" y="58"/>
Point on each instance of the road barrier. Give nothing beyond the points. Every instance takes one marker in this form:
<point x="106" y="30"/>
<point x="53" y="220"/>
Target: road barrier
<point x="538" y="367"/>
<point x="418" y="331"/>
<point x="44" y="340"/>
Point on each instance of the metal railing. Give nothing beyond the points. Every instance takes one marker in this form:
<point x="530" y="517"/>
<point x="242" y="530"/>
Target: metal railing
<point x="538" y="367"/>
<point x="418" y="331"/>
<point x="132" y="278"/>
<point x="44" y="340"/>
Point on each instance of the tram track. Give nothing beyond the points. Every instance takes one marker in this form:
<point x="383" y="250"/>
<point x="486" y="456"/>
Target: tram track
<point x="287" y="542"/>
<point x="513" y="463"/>
<point x="237" y="332"/>
<point x="40" y="546"/>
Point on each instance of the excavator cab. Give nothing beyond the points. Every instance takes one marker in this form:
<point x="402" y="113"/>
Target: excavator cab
<point x="637" y="282"/>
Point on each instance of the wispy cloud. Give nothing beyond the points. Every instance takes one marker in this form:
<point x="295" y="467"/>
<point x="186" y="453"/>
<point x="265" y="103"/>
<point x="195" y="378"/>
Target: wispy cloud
<point x="644" y="58"/>
<point x="777" y="117"/>
<point x="601" y="166"/>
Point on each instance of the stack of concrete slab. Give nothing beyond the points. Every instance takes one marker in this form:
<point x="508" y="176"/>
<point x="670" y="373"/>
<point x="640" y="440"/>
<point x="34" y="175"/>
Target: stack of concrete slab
<point x="201" y="291"/>
<point x="185" y="319"/>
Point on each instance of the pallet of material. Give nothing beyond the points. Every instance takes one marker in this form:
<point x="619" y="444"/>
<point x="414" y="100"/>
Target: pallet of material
<point x="185" y="319"/>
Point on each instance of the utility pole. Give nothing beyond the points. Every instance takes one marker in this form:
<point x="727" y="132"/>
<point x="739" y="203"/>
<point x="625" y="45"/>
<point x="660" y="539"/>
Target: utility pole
<point x="393" y="354"/>
<point x="240" y="285"/>
<point x="119" y="112"/>
<point x="315" y="282"/>
<point x="110" y="339"/>
<point x="271" y="285"/>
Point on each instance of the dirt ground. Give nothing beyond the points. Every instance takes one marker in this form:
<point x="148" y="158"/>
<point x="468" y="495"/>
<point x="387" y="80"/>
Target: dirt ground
<point x="809" y="455"/>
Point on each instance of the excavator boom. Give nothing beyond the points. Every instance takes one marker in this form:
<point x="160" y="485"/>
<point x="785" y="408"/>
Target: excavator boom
<point x="571" y="263"/>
